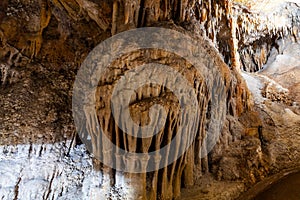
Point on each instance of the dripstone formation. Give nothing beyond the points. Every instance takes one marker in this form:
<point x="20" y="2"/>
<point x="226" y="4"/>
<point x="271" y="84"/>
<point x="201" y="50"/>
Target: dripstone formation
<point x="43" y="43"/>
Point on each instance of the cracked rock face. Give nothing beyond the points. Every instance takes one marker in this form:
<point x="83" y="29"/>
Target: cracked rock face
<point x="42" y="46"/>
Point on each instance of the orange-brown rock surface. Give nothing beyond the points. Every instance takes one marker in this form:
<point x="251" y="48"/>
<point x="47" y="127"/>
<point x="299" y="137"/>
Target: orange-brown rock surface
<point x="43" y="44"/>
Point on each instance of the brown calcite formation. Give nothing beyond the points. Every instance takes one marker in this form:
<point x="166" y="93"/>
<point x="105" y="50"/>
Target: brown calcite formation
<point x="256" y="47"/>
<point x="164" y="183"/>
<point x="44" y="42"/>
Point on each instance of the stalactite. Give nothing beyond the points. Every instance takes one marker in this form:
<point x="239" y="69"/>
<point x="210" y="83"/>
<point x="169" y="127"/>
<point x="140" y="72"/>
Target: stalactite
<point x="151" y="11"/>
<point x="166" y="182"/>
<point x="132" y="9"/>
<point x="115" y="13"/>
<point x="203" y="15"/>
<point x="235" y="57"/>
<point x="222" y="25"/>
<point x="268" y="26"/>
<point x="36" y="39"/>
<point x="61" y="4"/>
<point x="92" y="9"/>
<point x="183" y="9"/>
<point x="167" y="9"/>
<point x="94" y="12"/>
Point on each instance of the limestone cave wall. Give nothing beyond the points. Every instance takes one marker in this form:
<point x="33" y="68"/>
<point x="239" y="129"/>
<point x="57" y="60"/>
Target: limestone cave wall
<point x="44" y="43"/>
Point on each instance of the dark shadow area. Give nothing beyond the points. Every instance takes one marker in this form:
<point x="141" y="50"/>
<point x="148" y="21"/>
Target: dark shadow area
<point x="285" y="188"/>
